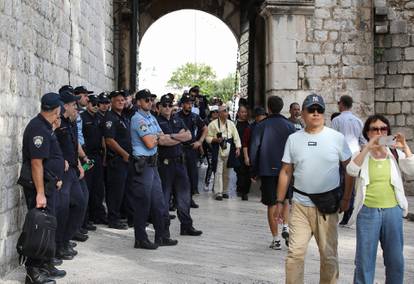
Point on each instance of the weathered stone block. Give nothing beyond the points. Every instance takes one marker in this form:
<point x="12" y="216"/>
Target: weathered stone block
<point x="322" y="13"/>
<point x="333" y="36"/>
<point x="384" y="95"/>
<point x="309" y="47"/>
<point x="331" y="25"/>
<point x="398" y="27"/>
<point x="400" y="120"/>
<point x="406" y="107"/>
<point x="319" y="59"/>
<point x="408" y="81"/>
<point x="317" y="71"/>
<point x="332" y="59"/>
<point x="394" y="81"/>
<point x="381" y="68"/>
<point x="401" y="40"/>
<point x="409" y="53"/>
<point x="381" y="11"/>
<point x="379" y="81"/>
<point x="380" y="107"/>
<point x="393" y="67"/>
<point x="392" y="54"/>
<point x="381" y="28"/>
<point x="380" y="3"/>
<point x="321" y="35"/>
<point x="407" y="67"/>
<point x="404" y="94"/>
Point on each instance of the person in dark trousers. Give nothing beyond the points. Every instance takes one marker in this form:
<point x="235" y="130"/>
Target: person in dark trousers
<point x="208" y="151"/>
<point x="118" y="142"/>
<point x="192" y="148"/>
<point x="172" y="168"/>
<point x="145" y="190"/>
<point x="72" y="198"/>
<point x="242" y="171"/>
<point x="266" y="152"/>
<point x="42" y="151"/>
<point x="94" y="149"/>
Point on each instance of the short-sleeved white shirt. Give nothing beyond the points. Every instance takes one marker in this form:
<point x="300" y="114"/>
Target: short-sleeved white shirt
<point x="315" y="159"/>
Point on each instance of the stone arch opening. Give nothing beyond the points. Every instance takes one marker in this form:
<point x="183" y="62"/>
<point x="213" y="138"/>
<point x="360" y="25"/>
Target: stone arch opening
<point x="181" y="37"/>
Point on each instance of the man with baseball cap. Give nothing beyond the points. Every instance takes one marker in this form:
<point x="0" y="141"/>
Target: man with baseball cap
<point x="322" y="148"/>
<point x="41" y="152"/>
<point x="118" y="142"/>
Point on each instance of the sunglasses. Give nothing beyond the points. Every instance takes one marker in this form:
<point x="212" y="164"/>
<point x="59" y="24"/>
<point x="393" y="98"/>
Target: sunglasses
<point x="167" y="105"/>
<point x="381" y="129"/>
<point x="94" y="104"/>
<point x="312" y="109"/>
<point x="147" y="100"/>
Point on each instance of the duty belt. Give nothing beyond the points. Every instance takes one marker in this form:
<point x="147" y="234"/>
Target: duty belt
<point x="150" y="160"/>
<point x="179" y="159"/>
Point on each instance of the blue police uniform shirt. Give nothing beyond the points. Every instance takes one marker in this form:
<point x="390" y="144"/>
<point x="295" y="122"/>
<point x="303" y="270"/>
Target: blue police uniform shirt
<point x="67" y="135"/>
<point x="170" y="126"/>
<point x="92" y="132"/>
<point x="117" y="127"/>
<point x="81" y="139"/>
<point x="142" y="124"/>
<point x="193" y="122"/>
<point x="40" y="142"/>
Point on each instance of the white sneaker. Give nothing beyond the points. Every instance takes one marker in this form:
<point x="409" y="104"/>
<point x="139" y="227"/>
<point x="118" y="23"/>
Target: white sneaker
<point x="285" y="235"/>
<point x="275" y="244"/>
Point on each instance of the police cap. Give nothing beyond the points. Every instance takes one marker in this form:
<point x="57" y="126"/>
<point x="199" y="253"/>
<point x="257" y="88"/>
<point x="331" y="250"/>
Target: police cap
<point x="82" y="90"/>
<point x="68" y="97"/>
<point x="66" y="88"/>
<point x="50" y="101"/>
<point x="114" y="94"/>
<point x="186" y="98"/>
<point x="93" y="99"/>
<point x="103" y="98"/>
<point x="166" y="99"/>
<point x="143" y="94"/>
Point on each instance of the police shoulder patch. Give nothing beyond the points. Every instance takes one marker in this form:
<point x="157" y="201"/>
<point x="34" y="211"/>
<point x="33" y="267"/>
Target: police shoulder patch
<point x="38" y="141"/>
<point x="108" y="124"/>
<point x="143" y="127"/>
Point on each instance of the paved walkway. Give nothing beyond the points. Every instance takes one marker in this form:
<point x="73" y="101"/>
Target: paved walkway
<point x="233" y="249"/>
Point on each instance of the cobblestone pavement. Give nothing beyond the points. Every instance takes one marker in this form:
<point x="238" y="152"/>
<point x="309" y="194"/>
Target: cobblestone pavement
<point x="233" y="249"/>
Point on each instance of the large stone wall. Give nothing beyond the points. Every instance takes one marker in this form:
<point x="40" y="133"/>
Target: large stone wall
<point x="394" y="67"/>
<point x="327" y="48"/>
<point x="43" y="45"/>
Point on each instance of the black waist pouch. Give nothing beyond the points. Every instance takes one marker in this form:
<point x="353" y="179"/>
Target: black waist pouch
<point x="326" y="202"/>
<point x="37" y="239"/>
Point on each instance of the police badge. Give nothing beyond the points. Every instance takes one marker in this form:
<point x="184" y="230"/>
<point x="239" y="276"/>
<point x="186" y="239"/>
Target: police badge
<point x="38" y="141"/>
<point x="108" y="124"/>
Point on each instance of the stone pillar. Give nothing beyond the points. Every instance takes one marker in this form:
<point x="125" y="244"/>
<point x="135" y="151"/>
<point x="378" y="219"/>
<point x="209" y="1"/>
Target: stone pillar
<point x="284" y="26"/>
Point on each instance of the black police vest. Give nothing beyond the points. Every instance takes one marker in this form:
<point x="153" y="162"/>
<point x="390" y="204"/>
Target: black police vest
<point x="92" y="133"/>
<point x="67" y="135"/>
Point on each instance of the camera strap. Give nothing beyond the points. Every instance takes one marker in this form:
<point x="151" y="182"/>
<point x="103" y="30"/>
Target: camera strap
<point x="219" y="128"/>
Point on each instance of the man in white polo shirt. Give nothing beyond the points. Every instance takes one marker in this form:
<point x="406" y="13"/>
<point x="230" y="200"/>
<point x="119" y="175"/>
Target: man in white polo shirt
<point x="312" y="156"/>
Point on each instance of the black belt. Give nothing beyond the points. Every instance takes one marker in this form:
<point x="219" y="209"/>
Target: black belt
<point x="166" y="161"/>
<point x="150" y="160"/>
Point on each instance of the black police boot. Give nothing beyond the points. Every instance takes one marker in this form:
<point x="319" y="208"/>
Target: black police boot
<point x="89" y="227"/>
<point x="190" y="231"/>
<point x="70" y="249"/>
<point x="73" y="244"/>
<point x="36" y="275"/>
<point x="244" y="197"/>
<point x="118" y="226"/>
<point x="172" y="217"/>
<point x="52" y="271"/>
<point x="193" y="204"/>
<point x="145" y="244"/>
<point x="56" y="262"/>
<point x="101" y="221"/>
<point x="225" y="195"/>
<point x="83" y="231"/>
<point x="63" y="253"/>
<point x="80" y="237"/>
<point x="166" y="242"/>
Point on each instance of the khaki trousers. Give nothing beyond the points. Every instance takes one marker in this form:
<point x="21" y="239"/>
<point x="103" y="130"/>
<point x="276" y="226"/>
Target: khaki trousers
<point x="221" y="177"/>
<point x="304" y="223"/>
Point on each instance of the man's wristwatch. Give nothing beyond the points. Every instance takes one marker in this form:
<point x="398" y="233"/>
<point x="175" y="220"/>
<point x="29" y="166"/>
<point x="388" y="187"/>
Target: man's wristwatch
<point x="280" y="202"/>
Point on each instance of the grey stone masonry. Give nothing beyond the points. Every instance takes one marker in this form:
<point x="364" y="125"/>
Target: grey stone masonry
<point x="43" y="45"/>
<point x="394" y="69"/>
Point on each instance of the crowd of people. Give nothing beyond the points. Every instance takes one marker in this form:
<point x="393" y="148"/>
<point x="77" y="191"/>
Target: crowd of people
<point x="127" y="160"/>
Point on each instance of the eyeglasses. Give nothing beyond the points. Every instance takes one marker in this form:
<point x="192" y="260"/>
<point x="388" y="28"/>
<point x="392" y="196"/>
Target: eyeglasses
<point x="147" y="100"/>
<point x="167" y="105"/>
<point x="314" y="108"/>
<point x="381" y="129"/>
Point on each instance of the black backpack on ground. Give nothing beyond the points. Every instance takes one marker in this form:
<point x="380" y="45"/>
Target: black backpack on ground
<point x="37" y="239"/>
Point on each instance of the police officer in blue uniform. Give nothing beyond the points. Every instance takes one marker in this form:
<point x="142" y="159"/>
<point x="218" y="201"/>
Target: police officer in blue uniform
<point x="118" y="142"/>
<point x="172" y="168"/>
<point x="42" y="153"/>
<point x="93" y="147"/>
<point x="72" y="202"/>
<point x="145" y="189"/>
<point x="192" y="148"/>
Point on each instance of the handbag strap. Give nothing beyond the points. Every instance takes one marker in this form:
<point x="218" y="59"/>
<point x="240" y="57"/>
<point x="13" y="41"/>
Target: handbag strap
<point x="301" y="192"/>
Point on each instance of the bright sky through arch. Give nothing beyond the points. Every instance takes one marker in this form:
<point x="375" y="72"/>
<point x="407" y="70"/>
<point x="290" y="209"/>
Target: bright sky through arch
<point x="181" y="37"/>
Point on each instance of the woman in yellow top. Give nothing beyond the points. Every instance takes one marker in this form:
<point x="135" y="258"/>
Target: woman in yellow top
<point x="380" y="202"/>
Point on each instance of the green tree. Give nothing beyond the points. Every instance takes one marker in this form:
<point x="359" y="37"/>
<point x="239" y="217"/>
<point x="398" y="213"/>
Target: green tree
<point x="192" y="74"/>
<point x="225" y="88"/>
